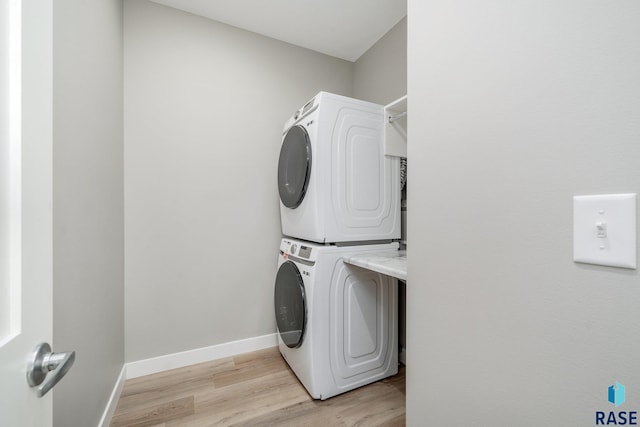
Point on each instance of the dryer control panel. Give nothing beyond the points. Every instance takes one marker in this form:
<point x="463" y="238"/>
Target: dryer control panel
<point x="309" y="107"/>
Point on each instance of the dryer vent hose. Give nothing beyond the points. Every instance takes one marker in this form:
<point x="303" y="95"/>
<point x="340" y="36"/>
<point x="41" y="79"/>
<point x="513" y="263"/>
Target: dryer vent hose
<point x="403" y="173"/>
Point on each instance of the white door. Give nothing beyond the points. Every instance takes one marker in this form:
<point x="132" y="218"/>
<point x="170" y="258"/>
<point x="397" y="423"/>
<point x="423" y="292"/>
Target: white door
<point x="25" y="204"/>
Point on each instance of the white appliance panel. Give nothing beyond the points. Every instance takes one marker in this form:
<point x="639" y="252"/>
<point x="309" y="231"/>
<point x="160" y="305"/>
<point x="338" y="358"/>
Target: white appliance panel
<point x="363" y="325"/>
<point x="353" y="192"/>
<point x="350" y="333"/>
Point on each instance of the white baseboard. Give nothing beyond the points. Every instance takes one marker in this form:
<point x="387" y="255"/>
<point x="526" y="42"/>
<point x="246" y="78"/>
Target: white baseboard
<point x="110" y="409"/>
<point x="179" y="360"/>
<point x="199" y="355"/>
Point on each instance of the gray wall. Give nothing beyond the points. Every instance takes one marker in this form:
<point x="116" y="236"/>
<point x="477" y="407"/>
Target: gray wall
<point x="4" y="170"/>
<point x="88" y="205"/>
<point x="514" y="109"/>
<point x="204" y="108"/>
<point x="380" y="74"/>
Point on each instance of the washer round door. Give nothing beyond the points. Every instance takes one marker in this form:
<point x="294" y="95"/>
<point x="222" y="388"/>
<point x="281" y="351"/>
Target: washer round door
<point x="294" y="167"/>
<point x="290" y="304"/>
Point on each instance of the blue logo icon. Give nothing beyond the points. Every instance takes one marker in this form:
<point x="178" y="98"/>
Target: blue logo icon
<point x="616" y="394"/>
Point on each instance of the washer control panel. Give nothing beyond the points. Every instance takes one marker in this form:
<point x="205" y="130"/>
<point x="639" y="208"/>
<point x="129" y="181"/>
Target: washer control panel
<point x="305" y="252"/>
<point x="296" y="249"/>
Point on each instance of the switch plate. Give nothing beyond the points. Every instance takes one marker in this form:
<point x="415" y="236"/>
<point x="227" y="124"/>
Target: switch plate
<point x="604" y="230"/>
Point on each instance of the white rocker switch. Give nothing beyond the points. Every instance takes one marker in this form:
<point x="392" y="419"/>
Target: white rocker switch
<point x="601" y="228"/>
<point x="604" y="230"/>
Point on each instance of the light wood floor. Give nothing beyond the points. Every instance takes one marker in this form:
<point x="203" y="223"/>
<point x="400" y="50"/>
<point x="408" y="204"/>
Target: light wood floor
<point x="254" y="389"/>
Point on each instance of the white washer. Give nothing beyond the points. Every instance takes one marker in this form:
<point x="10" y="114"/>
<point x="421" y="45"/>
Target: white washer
<point x="337" y="323"/>
<point x="335" y="183"/>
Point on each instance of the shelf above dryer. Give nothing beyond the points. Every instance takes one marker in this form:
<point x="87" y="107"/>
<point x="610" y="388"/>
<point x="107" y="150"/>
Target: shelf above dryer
<point x="395" y="128"/>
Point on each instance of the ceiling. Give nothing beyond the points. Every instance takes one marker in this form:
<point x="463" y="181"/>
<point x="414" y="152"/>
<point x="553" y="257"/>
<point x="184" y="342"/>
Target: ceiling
<point x="342" y="28"/>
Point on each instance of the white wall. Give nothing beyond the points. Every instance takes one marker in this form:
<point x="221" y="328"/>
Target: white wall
<point x="380" y="74"/>
<point x="515" y="107"/>
<point x="88" y="211"/>
<point x="204" y="108"/>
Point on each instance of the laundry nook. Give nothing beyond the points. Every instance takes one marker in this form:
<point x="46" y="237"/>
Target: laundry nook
<point x="216" y="213"/>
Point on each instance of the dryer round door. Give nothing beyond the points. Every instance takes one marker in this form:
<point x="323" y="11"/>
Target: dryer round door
<point x="294" y="167"/>
<point x="290" y="304"/>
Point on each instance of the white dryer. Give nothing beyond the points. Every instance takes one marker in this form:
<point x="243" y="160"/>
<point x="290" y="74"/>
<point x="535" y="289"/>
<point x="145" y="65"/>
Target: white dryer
<point x="337" y="323"/>
<point x="335" y="183"/>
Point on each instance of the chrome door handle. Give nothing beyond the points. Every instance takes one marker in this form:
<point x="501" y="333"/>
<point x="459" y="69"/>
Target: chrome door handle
<point x="43" y="361"/>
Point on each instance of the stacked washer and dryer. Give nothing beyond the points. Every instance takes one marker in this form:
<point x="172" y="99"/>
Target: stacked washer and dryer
<point x="339" y="196"/>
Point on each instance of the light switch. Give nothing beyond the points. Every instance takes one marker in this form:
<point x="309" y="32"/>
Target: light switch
<point x="604" y="230"/>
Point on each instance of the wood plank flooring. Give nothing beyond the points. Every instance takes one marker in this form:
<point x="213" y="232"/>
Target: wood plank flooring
<point x="254" y="389"/>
